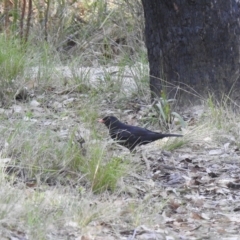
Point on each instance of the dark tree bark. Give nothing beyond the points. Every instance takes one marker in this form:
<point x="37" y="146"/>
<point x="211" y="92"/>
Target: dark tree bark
<point x="152" y="39"/>
<point x="193" y="45"/>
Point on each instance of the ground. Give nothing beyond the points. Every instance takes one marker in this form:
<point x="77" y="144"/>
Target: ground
<point x="171" y="189"/>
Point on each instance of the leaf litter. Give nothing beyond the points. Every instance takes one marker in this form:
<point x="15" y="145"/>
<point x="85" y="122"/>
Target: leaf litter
<point x="187" y="193"/>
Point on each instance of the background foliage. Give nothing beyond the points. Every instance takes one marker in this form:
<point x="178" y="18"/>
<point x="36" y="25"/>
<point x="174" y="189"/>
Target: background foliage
<point x="94" y="28"/>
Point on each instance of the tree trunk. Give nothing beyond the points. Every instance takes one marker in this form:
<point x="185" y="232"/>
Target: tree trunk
<point x="193" y="47"/>
<point x="152" y="39"/>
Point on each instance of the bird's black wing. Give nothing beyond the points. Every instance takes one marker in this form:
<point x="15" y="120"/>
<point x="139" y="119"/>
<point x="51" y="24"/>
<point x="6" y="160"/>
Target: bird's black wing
<point x="126" y="138"/>
<point x="121" y="134"/>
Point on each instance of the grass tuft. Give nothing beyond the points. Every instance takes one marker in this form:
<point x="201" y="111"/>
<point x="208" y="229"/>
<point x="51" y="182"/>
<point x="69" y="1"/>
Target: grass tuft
<point x="12" y="61"/>
<point x="103" y="171"/>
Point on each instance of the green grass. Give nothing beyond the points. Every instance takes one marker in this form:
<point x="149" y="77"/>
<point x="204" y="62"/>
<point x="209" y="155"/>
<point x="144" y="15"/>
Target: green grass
<point x="106" y="176"/>
<point x="12" y="59"/>
<point x="43" y="154"/>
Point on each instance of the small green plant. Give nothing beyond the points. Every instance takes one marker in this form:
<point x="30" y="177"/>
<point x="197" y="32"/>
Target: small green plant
<point x="217" y="112"/>
<point x="103" y="174"/>
<point x="165" y="113"/>
<point x="107" y="175"/>
<point x="29" y="114"/>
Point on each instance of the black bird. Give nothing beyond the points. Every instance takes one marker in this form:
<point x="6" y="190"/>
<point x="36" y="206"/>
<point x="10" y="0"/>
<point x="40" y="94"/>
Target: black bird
<point x="131" y="136"/>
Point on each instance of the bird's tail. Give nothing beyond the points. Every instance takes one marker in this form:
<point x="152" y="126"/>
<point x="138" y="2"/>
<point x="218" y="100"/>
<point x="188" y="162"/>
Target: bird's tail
<point x="170" y="135"/>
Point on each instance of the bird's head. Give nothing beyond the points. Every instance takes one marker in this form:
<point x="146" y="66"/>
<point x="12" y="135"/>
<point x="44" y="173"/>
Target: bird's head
<point x="109" y="121"/>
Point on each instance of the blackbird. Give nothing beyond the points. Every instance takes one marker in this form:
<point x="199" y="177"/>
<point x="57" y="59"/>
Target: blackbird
<point x="131" y="136"/>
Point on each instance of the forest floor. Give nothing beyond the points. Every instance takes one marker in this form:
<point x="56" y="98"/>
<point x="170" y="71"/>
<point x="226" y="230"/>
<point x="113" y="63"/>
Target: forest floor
<point x="172" y="189"/>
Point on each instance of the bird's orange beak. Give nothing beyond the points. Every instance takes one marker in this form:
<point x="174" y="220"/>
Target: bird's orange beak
<point x="100" y="120"/>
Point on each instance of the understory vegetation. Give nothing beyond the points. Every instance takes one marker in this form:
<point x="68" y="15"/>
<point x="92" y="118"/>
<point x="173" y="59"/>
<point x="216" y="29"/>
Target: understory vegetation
<point x="62" y="177"/>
